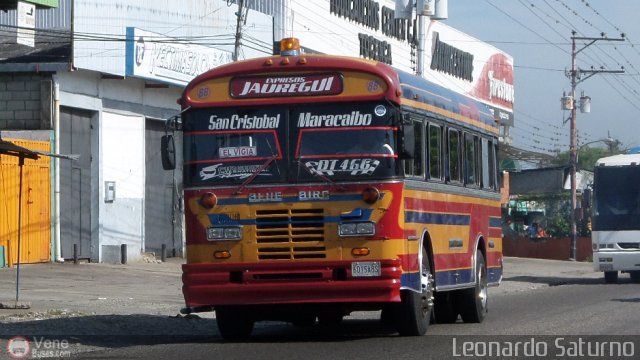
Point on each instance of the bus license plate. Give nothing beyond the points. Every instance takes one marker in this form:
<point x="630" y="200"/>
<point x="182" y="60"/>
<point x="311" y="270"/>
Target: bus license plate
<point x="606" y="267"/>
<point x="365" y="269"/>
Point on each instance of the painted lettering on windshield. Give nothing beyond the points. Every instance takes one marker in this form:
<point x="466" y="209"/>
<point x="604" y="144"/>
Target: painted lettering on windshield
<point x="218" y="171"/>
<point x="355" y="118"/>
<point x="331" y="167"/>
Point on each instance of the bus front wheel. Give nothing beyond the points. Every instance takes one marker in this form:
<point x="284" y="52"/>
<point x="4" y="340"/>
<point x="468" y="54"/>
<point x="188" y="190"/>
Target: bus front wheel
<point x="414" y="310"/>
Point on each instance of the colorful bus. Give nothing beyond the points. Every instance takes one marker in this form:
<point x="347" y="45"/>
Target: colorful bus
<point x="318" y="185"/>
<point x="615" y="234"/>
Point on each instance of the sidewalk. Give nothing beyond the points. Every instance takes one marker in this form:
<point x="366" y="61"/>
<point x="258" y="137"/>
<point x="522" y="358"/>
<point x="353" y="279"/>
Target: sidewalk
<point x="95" y="289"/>
<point x="155" y="288"/>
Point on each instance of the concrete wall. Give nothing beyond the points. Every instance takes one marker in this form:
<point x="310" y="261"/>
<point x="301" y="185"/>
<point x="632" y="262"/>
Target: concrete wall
<point x="25" y="101"/>
<point x="118" y="142"/>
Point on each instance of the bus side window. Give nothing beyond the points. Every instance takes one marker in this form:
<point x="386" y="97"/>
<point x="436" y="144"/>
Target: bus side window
<point x="493" y="167"/>
<point x="415" y="167"/>
<point x="435" y="152"/>
<point x="487" y="168"/>
<point x="471" y="160"/>
<point x="453" y="147"/>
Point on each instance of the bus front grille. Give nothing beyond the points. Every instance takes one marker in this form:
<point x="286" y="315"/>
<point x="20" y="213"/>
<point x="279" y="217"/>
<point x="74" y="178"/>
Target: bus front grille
<point x="290" y="234"/>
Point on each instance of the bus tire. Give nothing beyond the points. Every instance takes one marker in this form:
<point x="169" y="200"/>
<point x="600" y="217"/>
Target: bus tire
<point x="304" y="320"/>
<point x="611" y="277"/>
<point x="473" y="302"/>
<point x="234" y="323"/>
<point x="445" y="311"/>
<point x="330" y="319"/>
<point x="414" y="310"/>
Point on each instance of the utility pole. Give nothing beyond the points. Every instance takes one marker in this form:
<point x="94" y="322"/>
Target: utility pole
<point x="575" y="75"/>
<point x="241" y="19"/>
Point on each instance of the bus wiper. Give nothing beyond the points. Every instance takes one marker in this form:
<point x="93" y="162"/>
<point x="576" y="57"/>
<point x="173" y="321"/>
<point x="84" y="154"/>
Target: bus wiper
<point x="312" y="172"/>
<point x="259" y="170"/>
<point x="255" y="174"/>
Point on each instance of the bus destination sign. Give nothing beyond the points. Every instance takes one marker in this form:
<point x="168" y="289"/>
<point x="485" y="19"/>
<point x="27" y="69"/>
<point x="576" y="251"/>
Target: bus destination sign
<point x="285" y="86"/>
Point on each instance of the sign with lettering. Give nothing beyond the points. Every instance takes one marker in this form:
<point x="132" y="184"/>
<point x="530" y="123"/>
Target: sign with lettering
<point x="368" y="28"/>
<point x="355" y="118"/>
<point x="451" y="60"/>
<point x="332" y="167"/>
<point x="475" y="68"/>
<point x="157" y="57"/>
<point x="237" y="152"/>
<point x="281" y="86"/>
<point x="221" y="171"/>
<point x="246" y="122"/>
<point x="26" y="24"/>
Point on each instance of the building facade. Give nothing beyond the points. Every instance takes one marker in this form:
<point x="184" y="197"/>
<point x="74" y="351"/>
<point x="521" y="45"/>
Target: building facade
<point x="106" y="74"/>
<point x="102" y="89"/>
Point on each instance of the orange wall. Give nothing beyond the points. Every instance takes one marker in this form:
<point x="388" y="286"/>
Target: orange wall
<point x="36" y="205"/>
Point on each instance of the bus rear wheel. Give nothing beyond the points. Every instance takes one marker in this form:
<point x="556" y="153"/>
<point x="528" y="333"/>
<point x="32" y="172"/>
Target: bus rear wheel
<point x="610" y="277"/>
<point x="473" y="302"/>
<point x="234" y="322"/>
<point x="414" y="310"/>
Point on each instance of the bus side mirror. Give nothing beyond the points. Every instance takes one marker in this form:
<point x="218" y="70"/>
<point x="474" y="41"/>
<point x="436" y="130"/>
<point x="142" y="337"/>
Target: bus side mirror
<point x="407" y="142"/>
<point x="168" y="152"/>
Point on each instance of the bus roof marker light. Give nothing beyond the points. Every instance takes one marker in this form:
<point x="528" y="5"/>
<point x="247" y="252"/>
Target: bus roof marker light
<point x="302" y="61"/>
<point x="285" y="61"/>
<point x="268" y="62"/>
<point x="290" y="47"/>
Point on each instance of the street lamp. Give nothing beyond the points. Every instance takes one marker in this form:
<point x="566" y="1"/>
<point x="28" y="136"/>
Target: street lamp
<point x="609" y="141"/>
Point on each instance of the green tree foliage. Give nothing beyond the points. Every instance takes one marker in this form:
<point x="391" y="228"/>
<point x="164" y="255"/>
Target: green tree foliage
<point x="587" y="156"/>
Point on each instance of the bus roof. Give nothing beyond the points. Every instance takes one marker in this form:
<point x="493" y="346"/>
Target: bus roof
<point x="292" y="65"/>
<point x="619" y="160"/>
<point x="402" y="88"/>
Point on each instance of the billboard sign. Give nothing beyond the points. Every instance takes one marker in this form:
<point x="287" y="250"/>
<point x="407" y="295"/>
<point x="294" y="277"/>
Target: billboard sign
<point x="368" y="29"/>
<point x="26" y="24"/>
<point x="157" y="57"/>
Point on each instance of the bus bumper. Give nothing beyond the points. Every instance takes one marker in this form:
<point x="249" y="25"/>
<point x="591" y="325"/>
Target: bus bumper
<point x="616" y="260"/>
<point x="287" y="283"/>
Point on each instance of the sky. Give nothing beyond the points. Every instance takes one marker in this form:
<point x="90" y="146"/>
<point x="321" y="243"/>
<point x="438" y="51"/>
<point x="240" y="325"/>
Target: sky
<point x="537" y="33"/>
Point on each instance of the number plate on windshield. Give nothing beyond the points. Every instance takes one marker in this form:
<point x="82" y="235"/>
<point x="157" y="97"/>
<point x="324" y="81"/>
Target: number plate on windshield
<point x="365" y="269"/>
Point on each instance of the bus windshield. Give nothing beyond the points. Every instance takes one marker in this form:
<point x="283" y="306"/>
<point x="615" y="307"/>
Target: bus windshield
<point x="289" y="144"/>
<point x="617" y="198"/>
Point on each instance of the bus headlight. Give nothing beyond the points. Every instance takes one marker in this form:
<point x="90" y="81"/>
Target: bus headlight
<point x="224" y="233"/>
<point x="367" y="228"/>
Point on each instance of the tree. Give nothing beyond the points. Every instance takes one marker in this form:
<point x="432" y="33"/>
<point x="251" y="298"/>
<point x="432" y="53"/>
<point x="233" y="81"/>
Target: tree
<point x="587" y="156"/>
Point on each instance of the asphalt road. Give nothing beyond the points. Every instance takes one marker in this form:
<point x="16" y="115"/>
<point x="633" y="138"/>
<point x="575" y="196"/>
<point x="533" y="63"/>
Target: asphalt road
<point x="98" y="311"/>
<point x="555" y="318"/>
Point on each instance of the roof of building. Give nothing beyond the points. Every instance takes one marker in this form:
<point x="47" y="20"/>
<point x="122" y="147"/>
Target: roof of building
<point x="619" y="160"/>
<point x="552" y="180"/>
<point x="51" y="46"/>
